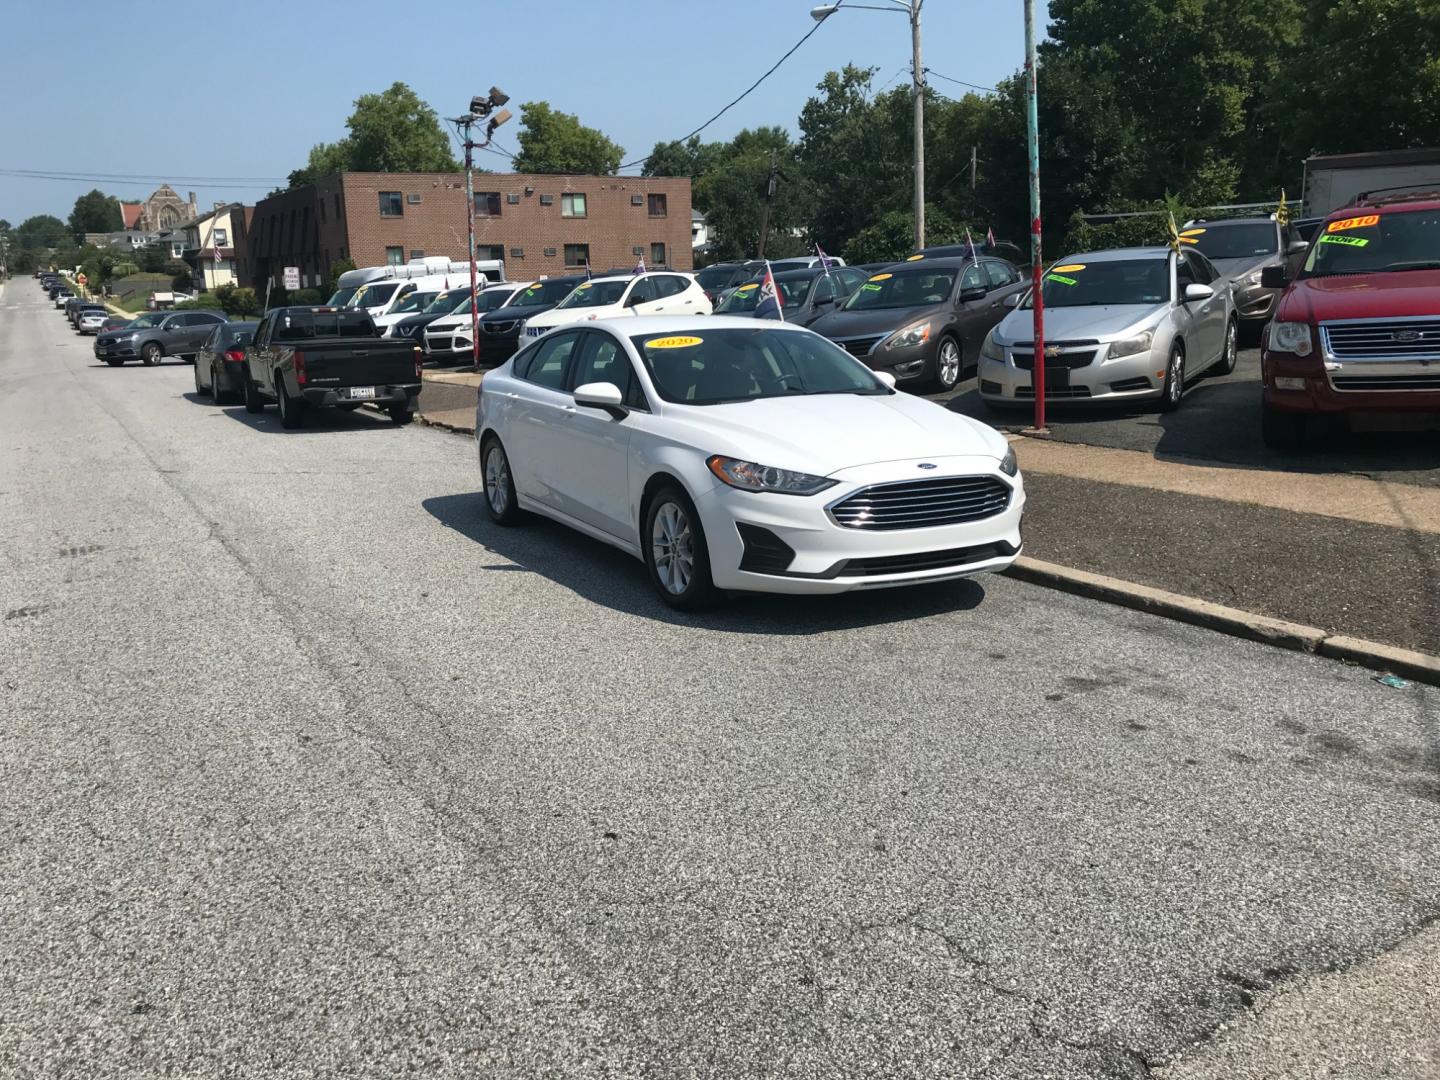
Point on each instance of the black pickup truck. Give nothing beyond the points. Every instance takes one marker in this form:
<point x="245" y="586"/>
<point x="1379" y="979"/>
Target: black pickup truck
<point x="304" y="357"/>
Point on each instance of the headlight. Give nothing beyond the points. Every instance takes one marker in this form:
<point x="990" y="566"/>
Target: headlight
<point x="1130" y="346"/>
<point x="991" y="350"/>
<point x="1008" y="465"/>
<point x="1291" y="337"/>
<point x="748" y="476"/>
<point x="1250" y="279"/>
<point x="914" y="334"/>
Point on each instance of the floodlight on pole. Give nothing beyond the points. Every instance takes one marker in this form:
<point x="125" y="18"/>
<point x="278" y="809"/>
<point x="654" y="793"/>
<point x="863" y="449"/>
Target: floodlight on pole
<point x="480" y="108"/>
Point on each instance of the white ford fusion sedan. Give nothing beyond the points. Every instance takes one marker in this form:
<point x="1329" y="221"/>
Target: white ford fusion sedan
<point x="728" y="453"/>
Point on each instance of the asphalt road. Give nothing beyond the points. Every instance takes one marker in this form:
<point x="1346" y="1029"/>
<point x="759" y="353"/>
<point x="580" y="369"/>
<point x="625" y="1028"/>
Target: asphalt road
<point x="1219" y="421"/>
<point x="308" y="771"/>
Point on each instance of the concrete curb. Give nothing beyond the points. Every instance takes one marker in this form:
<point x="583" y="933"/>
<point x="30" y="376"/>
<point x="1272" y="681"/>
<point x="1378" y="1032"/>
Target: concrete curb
<point x="1420" y="667"/>
<point x="454" y="429"/>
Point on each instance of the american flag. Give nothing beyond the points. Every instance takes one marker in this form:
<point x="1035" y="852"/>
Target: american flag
<point x="639" y="267"/>
<point x="769" y="302"/>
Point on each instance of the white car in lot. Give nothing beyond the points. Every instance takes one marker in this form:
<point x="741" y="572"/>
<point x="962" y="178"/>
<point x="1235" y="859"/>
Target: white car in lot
<point x="450" y="335"/>
<point x="656" y="292"/>
<point x="90" y="322"/>
<point x="731" y="453"/>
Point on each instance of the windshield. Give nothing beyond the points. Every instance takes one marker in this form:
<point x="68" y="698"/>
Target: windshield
<point x="1376" y="244"/>
<point x="341" y="297"/>
<point x="414" y="302"/>
<point x="1123" y="281"/>
<point x="446" y="302"/>
<point x="490" y="300"/>
<point x="715" y="366"/>
<point x="143" y="321"/>
<point x="903" y="289"/>
<point x="747" y="296"/>
<point x="594" y="294"/>
<point x="545" y="292"/>
<point x="1236" y="241"/>
<point x="376" y="295"/>
<point x="715" y="277"/>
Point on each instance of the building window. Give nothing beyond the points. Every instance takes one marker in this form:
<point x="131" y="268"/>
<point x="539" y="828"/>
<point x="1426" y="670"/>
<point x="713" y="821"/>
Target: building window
<point x="487" y="204"/>
<point x="391" y="205"/>
<point x="417" y="253"/>
<point x="549" y="253"/>
<point x="394" y="256"/>
<point x="413" y="199"/>
<point x="637" y="200"/>
<point x="490" y="251"/>
<point x="219" y="238"/>
<point x="577" y="254"/>
<point x="513" y="198"/>
<point x="517" y="253"/>
<point x="547" y="200"/>
<point x="337" y="210"/>
<point x="637" y="250"/>
<point x="657" y="254"/>
<point x="572" y="205"/>
<point x="322" y="211"/>
<point x="655" y="204"/>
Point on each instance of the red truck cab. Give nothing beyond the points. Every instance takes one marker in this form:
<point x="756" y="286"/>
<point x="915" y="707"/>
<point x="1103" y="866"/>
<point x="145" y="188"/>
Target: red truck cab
<point x="1357" y="333"/>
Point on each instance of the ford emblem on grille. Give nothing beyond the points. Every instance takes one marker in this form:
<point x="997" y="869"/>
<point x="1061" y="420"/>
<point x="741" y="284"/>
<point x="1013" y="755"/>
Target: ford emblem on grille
<point x="925" y="465"/>
<point x="1406" y="335"/>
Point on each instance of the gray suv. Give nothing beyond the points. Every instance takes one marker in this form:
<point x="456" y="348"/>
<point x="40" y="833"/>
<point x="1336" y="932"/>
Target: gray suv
<point x="156" y="335"/>
<point x="1240" y="248"/>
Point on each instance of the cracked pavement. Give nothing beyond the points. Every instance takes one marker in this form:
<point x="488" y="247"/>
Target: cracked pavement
<point x="308" y="771"/>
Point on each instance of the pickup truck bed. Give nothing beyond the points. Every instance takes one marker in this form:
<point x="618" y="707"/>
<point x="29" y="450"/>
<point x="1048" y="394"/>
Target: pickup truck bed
<point x="316" y="357"/>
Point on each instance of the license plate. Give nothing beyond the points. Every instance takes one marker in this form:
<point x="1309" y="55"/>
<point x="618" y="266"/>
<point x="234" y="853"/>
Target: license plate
<point x="1056" y="377"/>
<point x="362" y="391"/>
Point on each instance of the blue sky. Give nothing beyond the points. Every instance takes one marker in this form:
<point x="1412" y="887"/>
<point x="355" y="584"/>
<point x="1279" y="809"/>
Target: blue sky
<point x="246" y="90"/>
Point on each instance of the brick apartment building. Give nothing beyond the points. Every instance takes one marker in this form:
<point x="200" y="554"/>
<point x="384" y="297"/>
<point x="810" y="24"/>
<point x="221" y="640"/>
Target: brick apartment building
<point x="537" y="224"/>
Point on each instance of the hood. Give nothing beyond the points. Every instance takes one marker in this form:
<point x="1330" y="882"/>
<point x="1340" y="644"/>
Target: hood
<point x="555" y="317"/>
<point x="1080" y="323"/>
<point x="848" y="324"/>
<point x="799" y="432"/>
<point x="1362" y="296"/>
<point x="519" y="311"/>
<point x="1233" y="268"/>
<point x="409" y="322"/>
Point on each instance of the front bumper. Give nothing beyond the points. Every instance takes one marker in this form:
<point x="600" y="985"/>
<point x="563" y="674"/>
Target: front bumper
<point x="384" y="395"/>
<point x="1319" y="394"/>
<point x="790" y="544"/>
<point x="124" y="350"/>
<point x="1129" y="378"/>
<point x="907" y="363"/>
<point x="449" y="342"/>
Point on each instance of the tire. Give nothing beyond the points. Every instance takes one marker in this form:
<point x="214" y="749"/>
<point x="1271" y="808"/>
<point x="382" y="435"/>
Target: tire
<point x="1283" y="430"/>
<point x="115" y="363"/>
<point x="676" y="555"/>
<point x="254" y="403"/>
<point x="1231" y="348"/>
<point x="949" y="363"/>
<point x="152" y="354"/>
<point x="217" y="389"/>
<point x="200" y="390"/>
<point x="292" y="412"/>
<point x="500" y="501"/>
<point x="1173" y="392"/>
<point x="400" y="414"/>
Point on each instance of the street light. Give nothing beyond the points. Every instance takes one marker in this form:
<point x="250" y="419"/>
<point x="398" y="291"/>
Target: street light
<point x="480" y="109"/>
<point x="912" y="9"/>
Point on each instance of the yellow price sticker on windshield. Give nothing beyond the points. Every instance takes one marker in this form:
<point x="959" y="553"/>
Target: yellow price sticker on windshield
<point x="673" y="342"/>
<point x="747" y="288"/>
<point x="1353" y="223"/>
<point x="915" y="258"/>
<point x="881" y="277"/>
<point x="1060" y="279"/>
<point x="1348" y="241"/>
<point x="1068" y="268"/>
<point x="1192" y="232"/>
<point x="583" y="285"/>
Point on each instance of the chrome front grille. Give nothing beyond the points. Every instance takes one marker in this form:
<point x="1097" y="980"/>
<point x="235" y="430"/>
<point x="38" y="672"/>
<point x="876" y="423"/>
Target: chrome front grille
<point x="859" y="346"/>
<point x="498" y="327"/>
<point x="1414" y="381"/>
<point x="1382" y="339"/>
<point x="922" y="504"/>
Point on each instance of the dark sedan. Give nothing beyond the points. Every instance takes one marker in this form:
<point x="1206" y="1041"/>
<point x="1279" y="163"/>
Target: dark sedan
<point x="718" y="278"/>
<point x="500" y="329"/>
<point x="924" y="321"/>
<point x="220" y="363"/>
<point x="805" y="295"/>
<point x="413" y="326"/>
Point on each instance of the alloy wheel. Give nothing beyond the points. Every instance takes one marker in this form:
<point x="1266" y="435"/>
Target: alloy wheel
<point x="1177" y="375"/>
<point x="948" y="363"/>
<point x="672" y="545"/>
<point x="1231" y="343"/>
<point x="497" y="480"/>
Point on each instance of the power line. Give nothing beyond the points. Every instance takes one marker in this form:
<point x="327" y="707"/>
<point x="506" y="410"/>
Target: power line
<point x="742" y="97"/>
<point x="962" y="82"/>
<point x="66" y="174"/>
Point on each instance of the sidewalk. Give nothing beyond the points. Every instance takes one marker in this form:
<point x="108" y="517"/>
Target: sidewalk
<point x="447" y="399"/>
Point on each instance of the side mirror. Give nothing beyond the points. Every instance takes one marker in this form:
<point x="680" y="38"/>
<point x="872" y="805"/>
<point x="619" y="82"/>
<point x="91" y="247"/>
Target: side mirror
<point x="1196" y="291"/>
<point x="823" y="301"/>
<point x="1013" y="300"/>
<point x="886" y="377"/>
<point x="1298" y="247"/>
<point x="977" y="293"/>
<point x="1274" y="277"/>
<point x="601" y="395"/>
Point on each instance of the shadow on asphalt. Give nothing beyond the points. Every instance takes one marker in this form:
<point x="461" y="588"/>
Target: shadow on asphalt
<point x="315" y="420"/>
<point x="1219" y="423"/>
<point x="607" y="576"/>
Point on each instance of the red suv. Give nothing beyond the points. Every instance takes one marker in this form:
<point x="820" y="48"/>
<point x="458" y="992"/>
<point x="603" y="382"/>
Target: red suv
<point x="1358" y="330"/>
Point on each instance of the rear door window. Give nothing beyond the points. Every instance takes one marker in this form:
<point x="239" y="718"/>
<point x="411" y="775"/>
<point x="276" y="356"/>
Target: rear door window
<point x="550" y="363"/>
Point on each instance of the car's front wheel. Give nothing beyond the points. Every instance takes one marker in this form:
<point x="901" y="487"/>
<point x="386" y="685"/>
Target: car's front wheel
<point x="1174" y="389"/>
<point x="152" y="354"/>
<point x="675" y="551"/>
<point x="949" y="363"/>
<point x="500" y="498"/>
<point x="1232" y="348"/>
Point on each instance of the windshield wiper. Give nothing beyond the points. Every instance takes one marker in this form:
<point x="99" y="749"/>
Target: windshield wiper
<point x="1418" y="264"/>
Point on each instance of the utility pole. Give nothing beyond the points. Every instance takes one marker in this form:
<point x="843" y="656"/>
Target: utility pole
<point x="772" y="183"/>
<point x="1037" y="292"/>
<point x="919" y="88"/>
<point x="972" y="169"/>
<point x="480" y="109"/>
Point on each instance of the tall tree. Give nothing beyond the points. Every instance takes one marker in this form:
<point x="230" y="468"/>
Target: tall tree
<point x="41" y="231"/>
<point x="733" y="194"/>
<point x="95" y="212"/>
<point x="392" y="131"/>
<point x="690" y="158"/>
<point x="556" y="142"/>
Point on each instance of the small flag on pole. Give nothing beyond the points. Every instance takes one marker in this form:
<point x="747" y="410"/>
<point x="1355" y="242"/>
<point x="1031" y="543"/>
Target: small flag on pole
<point x="1174" y="231"/>
<point x="769" y="303"/>
<point x="970" y="252"/>
<point x="990" y="239"/>
<point x="639" y="267"/>
<point x="825" y="260"/>
<point x="587" y="267"/>
<point x="1282" y="212"/>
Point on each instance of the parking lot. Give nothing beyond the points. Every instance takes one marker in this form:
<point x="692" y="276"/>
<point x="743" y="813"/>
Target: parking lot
<point x="314" y="771"/>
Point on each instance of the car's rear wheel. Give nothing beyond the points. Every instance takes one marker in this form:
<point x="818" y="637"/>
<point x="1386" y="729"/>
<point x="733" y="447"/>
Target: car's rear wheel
<point x="254" y="403"/>
<point x="500" y="501"/>
<point x="292" y="412"/>
<point x="1281" y="430"/>
<point x="675" y="551"/>
<point x="199" y="387"/>
<point x="1174" y="389"/>
<point x="152" y="354"/>
<point x="949" y="363"/>
<point x="1232" y="348"/>
<point x="400" y="414"/>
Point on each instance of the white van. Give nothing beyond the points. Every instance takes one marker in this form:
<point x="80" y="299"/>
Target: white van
<point x="379" y="298"/>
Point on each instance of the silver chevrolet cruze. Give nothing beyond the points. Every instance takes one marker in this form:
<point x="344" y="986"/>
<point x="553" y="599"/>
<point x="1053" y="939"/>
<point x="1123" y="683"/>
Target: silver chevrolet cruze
<point x="1129" y="324"/>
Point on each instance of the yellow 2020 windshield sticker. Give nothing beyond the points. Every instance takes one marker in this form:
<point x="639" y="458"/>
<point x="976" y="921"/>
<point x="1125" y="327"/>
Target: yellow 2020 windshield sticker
<point x="881" y="277"/>
<point x="1068" y="268"/>
<point x="673" y="342"/>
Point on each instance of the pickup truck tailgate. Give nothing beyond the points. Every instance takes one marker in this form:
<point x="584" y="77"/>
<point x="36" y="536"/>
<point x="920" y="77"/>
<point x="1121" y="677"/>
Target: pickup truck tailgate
<point x="376" y="363"/>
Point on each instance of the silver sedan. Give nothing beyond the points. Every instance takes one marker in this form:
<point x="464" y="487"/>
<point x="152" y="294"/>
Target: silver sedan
<point x="1134" y="323"/>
